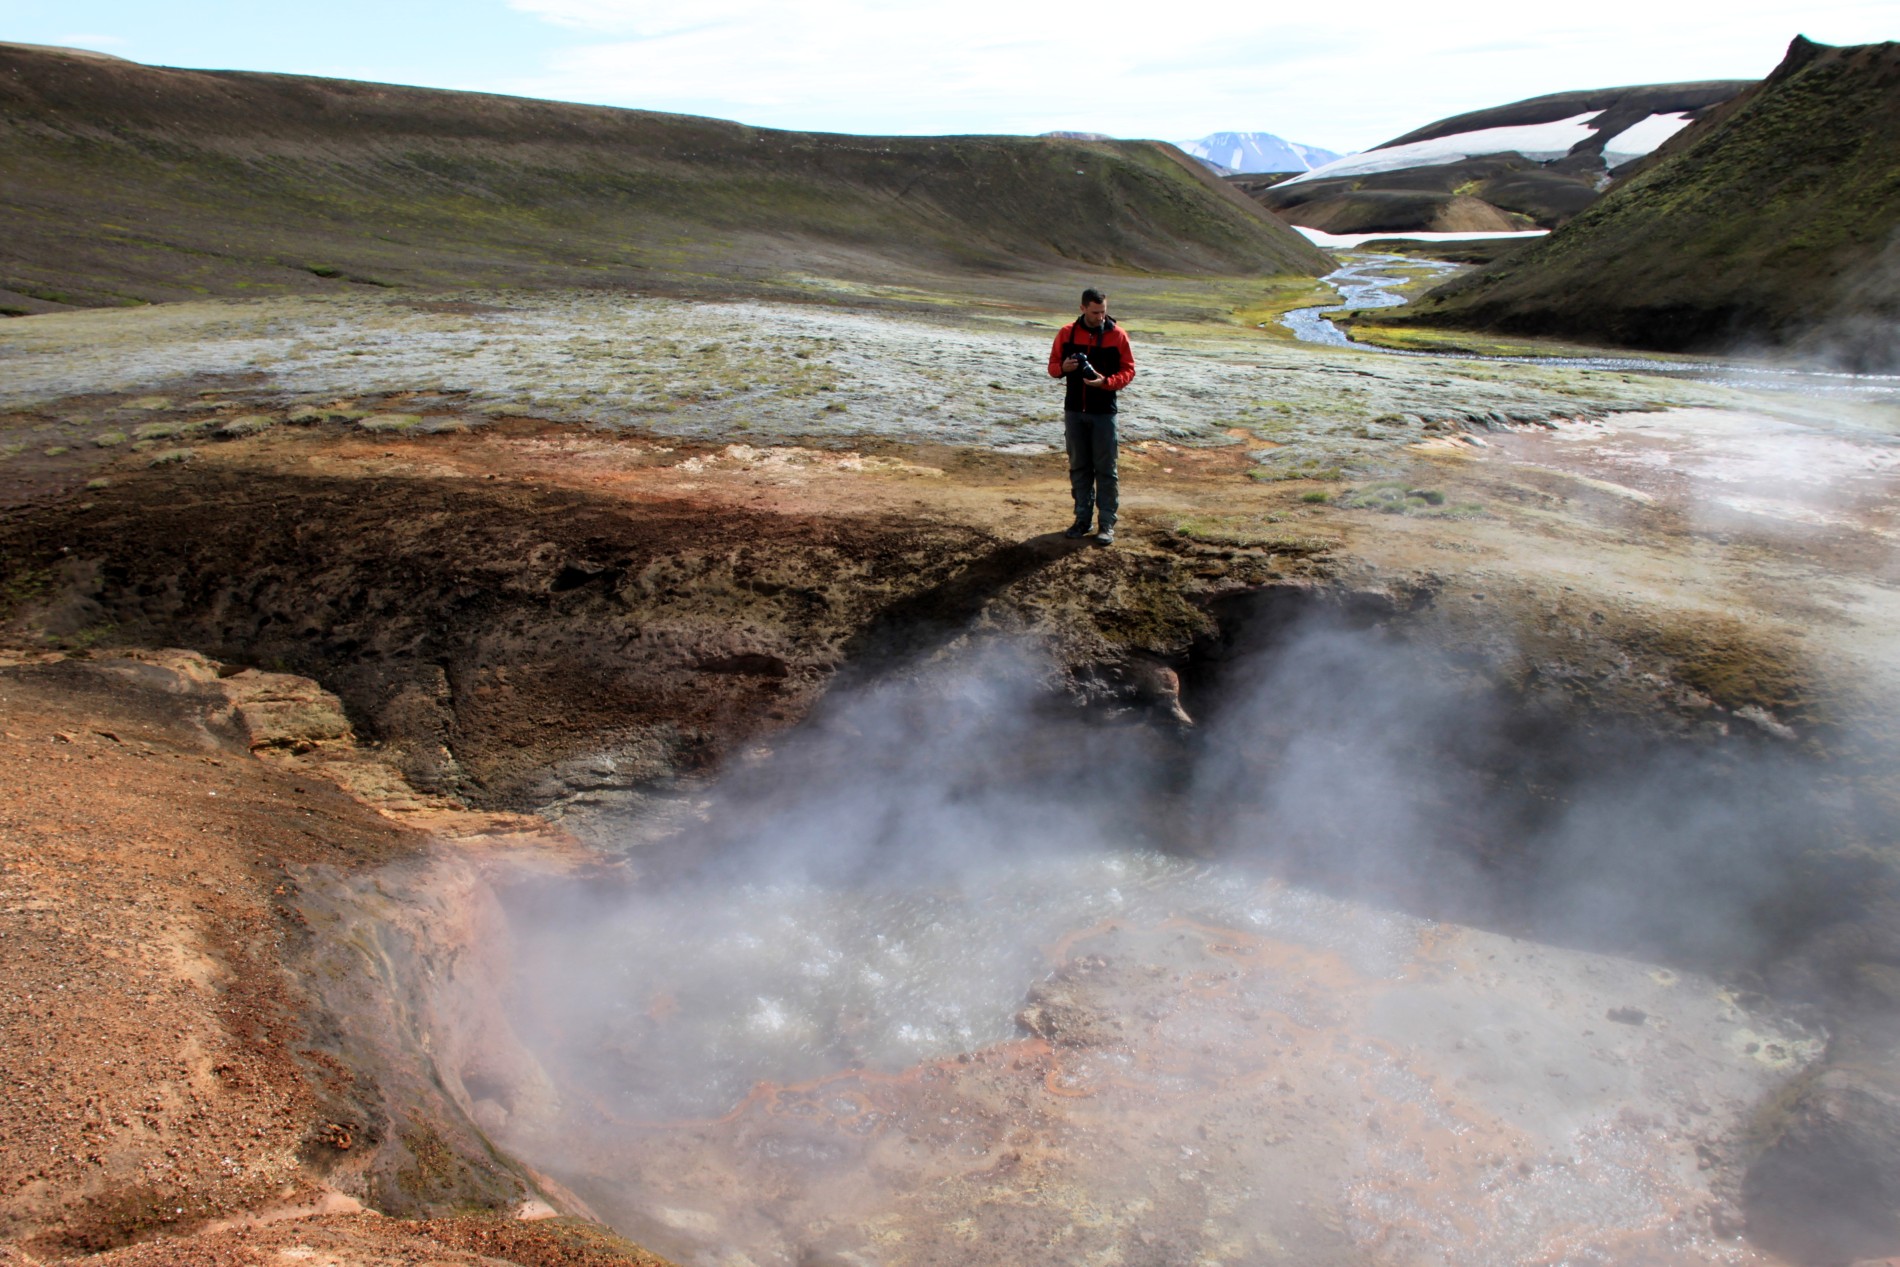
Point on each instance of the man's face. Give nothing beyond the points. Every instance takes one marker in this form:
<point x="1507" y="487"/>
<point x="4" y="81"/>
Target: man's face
<point x="1094" y="314"/>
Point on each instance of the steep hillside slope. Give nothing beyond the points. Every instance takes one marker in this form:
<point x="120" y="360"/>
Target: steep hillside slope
<point x="1774" y="220"/>
<point x="1614" y="112"/>
<point x="131" y="183"/>
<point x="1533" y="163"/>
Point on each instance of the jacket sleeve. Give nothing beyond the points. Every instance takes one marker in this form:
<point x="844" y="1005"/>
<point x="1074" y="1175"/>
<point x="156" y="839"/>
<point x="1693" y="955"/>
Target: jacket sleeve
<point x="1126" y="374"/>
<point x="1055" y="353"/>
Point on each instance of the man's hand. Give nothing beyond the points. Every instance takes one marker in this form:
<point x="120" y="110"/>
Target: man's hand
<point x="1070" y="363"/>
<point x="1097" y="381"/>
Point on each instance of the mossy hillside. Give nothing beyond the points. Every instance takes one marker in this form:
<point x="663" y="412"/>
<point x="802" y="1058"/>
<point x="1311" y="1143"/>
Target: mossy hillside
<point x="131" y="183"/>
<point x="1491" y="191"/>
<point x="1620" y="108"/>
<point x="1754" y="225"/>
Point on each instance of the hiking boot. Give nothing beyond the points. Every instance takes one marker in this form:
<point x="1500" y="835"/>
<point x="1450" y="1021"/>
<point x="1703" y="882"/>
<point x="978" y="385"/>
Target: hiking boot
<point x="1106" y="537"/>
<point x="1077" y="530"/>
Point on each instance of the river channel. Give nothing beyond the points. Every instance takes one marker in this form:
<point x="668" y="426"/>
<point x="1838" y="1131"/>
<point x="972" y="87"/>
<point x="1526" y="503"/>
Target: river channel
<point x="1376" y="281"/>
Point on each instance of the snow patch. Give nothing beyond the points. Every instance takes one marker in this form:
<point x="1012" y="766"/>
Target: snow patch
<point x="1345" y="241"/>
<point x="1641" y="138"/>
<point x="1540" y="141"/>
<point x="1533" y="140"/>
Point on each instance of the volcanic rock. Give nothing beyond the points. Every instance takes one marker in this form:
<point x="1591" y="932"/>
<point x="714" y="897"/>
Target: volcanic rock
<point x="1062" y="1013"/>
<point x="1828" y="1189"/>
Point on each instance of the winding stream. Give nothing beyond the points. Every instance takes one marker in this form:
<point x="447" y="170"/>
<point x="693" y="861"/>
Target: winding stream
<point x="1365" y="281"/>
<point x="1370" y="281"/>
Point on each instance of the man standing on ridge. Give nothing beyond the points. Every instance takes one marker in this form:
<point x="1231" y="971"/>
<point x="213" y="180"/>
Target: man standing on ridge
<point x="1093" y="354"/>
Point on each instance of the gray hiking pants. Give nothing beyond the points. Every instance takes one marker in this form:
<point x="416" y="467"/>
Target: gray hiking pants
<point x="1091" y="443"/>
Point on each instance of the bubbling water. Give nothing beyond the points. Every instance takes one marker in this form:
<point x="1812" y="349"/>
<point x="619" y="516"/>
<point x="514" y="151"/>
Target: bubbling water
<point x="1152" y="1046"/>
<point x="702" y="994"/>
<point x="927" y="994"/>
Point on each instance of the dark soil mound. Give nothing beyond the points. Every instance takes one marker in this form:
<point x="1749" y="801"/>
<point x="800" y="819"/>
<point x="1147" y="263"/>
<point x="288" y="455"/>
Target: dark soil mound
<point x="1499" y="191"/>
<point x="1405" y="211"/>
<point x="1774" y="220"/>
<point x="129" y="183"/>
<point x="486" y="633"/>
<point x="1464" y="251"/>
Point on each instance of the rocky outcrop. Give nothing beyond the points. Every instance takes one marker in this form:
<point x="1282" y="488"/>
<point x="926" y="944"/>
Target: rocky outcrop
<point x="1828" y="1188"/>
<point x="514" y="649"/>
<point x="398" y="970"/>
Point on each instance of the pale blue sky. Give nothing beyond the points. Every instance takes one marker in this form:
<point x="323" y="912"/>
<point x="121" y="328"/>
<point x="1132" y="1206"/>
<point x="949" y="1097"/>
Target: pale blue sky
<point x="1172" y="70"/>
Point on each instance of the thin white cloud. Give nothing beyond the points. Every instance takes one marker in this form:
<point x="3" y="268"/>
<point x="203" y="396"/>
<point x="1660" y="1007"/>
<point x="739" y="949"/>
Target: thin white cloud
<point x="1137" y="69"/>
<point x="94" y="41"/>
<point x="630" y="19"/>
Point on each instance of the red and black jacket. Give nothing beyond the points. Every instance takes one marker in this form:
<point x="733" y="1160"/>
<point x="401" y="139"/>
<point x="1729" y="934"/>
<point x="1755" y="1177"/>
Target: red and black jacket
<point x="1107" y="350"/>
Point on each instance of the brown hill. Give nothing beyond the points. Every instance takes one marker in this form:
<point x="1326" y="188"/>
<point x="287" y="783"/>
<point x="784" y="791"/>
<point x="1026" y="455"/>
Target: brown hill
<point x="1487" y="192"/>
<point x="1773" y="220"/>
<point x="129" y="183"/>
<point x="1620" y="108"/>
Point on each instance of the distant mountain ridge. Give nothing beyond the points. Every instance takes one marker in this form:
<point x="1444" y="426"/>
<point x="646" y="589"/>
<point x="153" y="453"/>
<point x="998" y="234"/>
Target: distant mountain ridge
<point x="1599" y="127"/>
<point x="1242" y="153"/>
<point x="1529" y="164"/>
<point x="127" y="183"/>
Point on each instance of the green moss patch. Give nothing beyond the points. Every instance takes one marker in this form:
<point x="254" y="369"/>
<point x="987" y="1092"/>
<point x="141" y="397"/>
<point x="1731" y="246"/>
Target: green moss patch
<point x="1295" y="471"/>
<point x="1738" y="670"/>
<point x="390" y="422"/>
<point x="1396" y="497"/>
<point x="1229" y="530"/>
<point x="247" y="425"/>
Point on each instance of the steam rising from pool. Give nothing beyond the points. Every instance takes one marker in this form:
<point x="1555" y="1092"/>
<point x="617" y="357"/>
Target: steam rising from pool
<point x="699" y="995"/>
<point x="955" y="966"/>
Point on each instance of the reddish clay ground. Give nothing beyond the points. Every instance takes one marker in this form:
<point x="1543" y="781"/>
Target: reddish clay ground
<point x="152" y="1050"/>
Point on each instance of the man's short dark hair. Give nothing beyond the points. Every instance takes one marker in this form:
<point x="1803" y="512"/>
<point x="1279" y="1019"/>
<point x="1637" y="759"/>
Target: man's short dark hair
<point x="1094" y="296"/>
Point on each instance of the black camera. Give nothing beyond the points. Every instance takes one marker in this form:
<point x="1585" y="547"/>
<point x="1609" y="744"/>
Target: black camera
<point x="1083" y="367"/>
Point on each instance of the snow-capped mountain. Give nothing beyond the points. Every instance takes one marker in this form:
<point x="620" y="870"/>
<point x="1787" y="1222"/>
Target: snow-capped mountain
<point x="1234" y="152"/>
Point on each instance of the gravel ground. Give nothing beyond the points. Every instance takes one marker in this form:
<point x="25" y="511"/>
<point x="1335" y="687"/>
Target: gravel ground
<point x="778" y="371"/>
